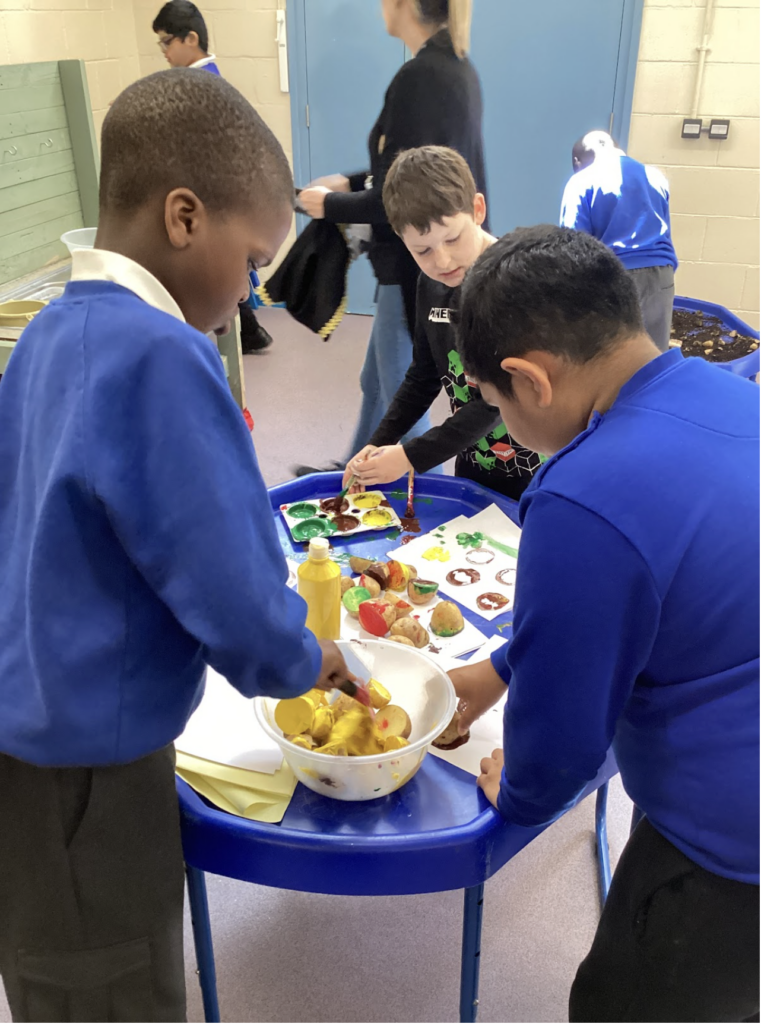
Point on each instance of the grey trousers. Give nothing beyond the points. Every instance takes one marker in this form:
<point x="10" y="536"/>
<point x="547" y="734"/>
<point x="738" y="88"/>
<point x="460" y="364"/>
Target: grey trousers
<point x="91" y="892"/>
<point x="655" y="287"/>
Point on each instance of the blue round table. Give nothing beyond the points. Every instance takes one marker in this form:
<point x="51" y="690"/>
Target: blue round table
<point x="438" y="832"/>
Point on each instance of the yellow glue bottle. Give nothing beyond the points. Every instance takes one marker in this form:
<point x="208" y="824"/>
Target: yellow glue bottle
<point x="320" y="586"/>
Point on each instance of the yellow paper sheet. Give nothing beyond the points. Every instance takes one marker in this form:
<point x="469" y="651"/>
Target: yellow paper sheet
<point x="257" y="796"/>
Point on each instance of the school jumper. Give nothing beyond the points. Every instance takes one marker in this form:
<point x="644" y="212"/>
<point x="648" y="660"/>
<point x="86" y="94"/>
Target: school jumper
<point x="626" y="205"/>
<point x="136" y="545"/>
<point x="474" y="434"/>
<point x="636" y="626"/>
<point x="433" y="100"/>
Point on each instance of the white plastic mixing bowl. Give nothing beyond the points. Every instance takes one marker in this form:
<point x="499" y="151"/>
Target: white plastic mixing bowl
<point x="415" y="682"/>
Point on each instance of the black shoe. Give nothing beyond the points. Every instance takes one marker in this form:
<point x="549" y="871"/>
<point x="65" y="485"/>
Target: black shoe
<point x="334" y="467"/>
<point x="253" y="337"/>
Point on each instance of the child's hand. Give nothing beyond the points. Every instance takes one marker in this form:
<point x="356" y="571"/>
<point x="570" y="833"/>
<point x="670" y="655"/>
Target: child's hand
<point x="351" y="467"/>
<point x="491" y="775"/>
<point x="334" y="670"/>
<point x="312" y="201"/>
<point x="334" y="182"/>
<point x="479" y="687"/>
<point x="382" y="467"/>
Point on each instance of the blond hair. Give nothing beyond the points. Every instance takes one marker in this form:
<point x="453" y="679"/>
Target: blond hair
<point x="455" y="14"/>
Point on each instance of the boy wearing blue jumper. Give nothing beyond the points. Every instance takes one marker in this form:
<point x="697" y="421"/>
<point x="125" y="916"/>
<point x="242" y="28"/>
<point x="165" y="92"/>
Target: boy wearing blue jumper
<point x="636" y="618"/>
<point x="137" y="545"/>
<point x="626" y="205"/>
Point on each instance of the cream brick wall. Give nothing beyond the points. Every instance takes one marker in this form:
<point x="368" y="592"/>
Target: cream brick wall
<point x="714" y="185"/>
<point x="100" y="32"/>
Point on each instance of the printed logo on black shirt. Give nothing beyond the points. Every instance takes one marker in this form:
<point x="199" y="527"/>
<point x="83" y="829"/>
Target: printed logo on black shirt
<point x="439" y="315"/>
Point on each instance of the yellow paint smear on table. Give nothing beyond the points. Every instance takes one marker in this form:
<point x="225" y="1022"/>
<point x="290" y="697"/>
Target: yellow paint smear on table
<point x="436" y="555"/>
<point x="257" y="796"/>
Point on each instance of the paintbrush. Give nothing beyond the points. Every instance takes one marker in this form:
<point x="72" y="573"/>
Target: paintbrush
<point x="345" y="491"/>
<point x="410" y="513"/>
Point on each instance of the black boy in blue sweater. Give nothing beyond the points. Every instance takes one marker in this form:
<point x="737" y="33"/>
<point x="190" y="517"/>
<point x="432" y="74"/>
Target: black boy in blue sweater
<point x="136" y="545"/>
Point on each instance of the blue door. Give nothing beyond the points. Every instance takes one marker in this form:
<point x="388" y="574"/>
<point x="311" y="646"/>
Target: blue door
<point x="551" y="70"/>
<point x="548" y="69"/>
<point x="350" y="61"/>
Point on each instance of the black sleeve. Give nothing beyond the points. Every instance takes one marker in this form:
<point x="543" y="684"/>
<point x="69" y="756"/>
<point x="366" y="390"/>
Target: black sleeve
<point x="416" y="113"/>
<point x="417" y="391"/>
<point x="463" y="428"/>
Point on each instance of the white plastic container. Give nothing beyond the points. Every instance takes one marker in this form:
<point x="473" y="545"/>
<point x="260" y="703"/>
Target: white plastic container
<point x="415" y="682"/>
<point x="81" y="238"/>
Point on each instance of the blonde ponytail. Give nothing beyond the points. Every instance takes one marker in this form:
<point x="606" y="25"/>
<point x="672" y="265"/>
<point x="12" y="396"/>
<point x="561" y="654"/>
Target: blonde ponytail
<point x="455" y="14"/>
<point x="460" y="15"/>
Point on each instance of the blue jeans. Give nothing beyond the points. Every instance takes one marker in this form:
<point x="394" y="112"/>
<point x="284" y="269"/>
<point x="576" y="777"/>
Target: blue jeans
<point x="389" y="354"/>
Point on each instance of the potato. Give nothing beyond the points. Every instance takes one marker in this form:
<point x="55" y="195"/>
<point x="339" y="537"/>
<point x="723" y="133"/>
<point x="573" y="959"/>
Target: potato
<point x="404" y="640"/>
<point x="359" y="565"/>
<point x="379" y="572"/>
<point x="402" y="607"/>
<point x="394" y="743"/>
<point x="371" y="584"/>
<point x="295" y="716"/>
<point x="447" y="619"/>
<point x="323" y="721"/>
<point x="412" y="629"/>
<point x="399" y="575"/>
<point x="346" y="584"/>
<point x="376" y="616"/>
<point x="422" y="591"/>
<point x="342" y="704"/>
<point x="379" y="695"/>
<point x="451" y="739"/>
<point x="393" y="721"/>
<point x="353" y="598"/>
<point x="334" y="749"/>
<point x="302" y="740"/>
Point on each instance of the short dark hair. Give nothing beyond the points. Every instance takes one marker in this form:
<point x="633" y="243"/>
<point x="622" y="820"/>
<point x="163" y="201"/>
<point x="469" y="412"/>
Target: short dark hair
<point x="179" y="18"/>
<point x="184" y="128"/>
<point x="548" y="289"/>
<point x="425" y="185"/>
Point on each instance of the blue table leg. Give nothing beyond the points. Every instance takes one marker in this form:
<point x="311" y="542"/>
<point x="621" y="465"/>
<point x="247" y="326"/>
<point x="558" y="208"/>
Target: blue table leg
<point x="601" y="842"/>
<point x="199" y="915"/>
<point x="471" y="952"/>
<point x="637" y="816"/>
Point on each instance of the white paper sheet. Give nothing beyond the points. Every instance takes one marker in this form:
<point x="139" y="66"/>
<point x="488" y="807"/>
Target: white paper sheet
<point x="224" y="729"/>
<point x="486" y="734"/>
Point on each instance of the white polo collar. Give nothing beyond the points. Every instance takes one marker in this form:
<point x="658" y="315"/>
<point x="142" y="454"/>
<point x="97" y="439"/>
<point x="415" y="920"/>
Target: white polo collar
<point x="102" y="265"/>
<point x="203" y="61"/>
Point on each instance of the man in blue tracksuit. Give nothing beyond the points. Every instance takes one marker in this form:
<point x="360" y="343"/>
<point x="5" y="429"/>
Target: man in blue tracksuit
<point x="626" y="205"/>
<point x="636" y="619"/>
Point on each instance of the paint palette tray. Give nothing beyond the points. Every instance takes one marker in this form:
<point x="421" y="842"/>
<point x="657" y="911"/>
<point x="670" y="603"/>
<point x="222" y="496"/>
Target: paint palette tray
<point x="359" y="513"/>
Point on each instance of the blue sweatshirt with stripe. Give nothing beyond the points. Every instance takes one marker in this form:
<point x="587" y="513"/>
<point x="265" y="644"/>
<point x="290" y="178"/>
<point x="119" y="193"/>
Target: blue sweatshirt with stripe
<point x="637" y="616"/>
<point x="137" y="542"/>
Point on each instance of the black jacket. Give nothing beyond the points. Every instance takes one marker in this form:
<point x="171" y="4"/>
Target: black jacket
<point x="474" y="433"/>
<point x="433" y="100"/>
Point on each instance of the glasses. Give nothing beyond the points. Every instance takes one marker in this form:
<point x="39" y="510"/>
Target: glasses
<point x="165" y="42"/>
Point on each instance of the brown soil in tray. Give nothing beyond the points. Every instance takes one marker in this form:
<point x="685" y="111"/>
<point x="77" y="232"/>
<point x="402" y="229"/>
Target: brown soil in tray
<point x="701" y="334"/>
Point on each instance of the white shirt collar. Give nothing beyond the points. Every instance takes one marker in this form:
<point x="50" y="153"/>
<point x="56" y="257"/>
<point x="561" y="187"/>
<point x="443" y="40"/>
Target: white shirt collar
<point x="203" y="61"/>
<point x="102" y="265"/>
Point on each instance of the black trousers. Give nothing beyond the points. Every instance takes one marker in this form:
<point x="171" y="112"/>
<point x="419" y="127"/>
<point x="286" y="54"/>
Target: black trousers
<point x="655" y="288"/>
<point x="91" y="892"/>
<point x="675" y="942"/>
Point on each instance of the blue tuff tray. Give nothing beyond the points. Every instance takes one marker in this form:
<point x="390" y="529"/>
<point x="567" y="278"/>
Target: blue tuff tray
<point x="745" y="366"/>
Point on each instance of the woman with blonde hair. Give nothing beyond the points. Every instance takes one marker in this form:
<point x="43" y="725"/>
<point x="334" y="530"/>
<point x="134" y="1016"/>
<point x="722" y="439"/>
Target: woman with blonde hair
<point x="433" y="100"/>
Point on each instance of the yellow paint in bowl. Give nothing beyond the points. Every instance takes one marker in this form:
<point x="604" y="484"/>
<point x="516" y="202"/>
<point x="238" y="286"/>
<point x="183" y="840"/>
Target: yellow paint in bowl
<point x="370" y="499"/>
<point x="377" y="517"/>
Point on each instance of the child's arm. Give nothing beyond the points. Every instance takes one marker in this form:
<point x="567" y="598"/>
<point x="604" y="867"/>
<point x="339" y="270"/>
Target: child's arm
<point x="171" y="459"/>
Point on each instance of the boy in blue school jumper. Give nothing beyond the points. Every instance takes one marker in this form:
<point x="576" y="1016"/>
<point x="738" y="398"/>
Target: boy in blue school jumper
<point x="183" y="36"/>
<point x="137" y="545"/>
<point x="184" y="41"/>
<point x="636" y="618"/>
<point x="626" y="205"/>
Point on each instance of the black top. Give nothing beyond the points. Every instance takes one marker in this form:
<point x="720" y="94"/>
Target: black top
<point x="433" y="100"/>
<point x="474" y="433"/>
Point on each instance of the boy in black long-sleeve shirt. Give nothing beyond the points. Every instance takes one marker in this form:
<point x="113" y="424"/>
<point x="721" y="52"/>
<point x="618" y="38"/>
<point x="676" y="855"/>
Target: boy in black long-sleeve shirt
<point x="432" y="203"/>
